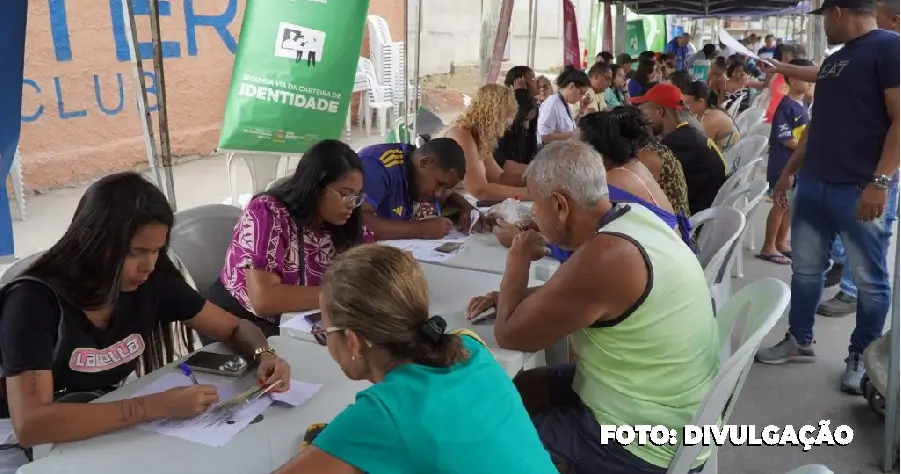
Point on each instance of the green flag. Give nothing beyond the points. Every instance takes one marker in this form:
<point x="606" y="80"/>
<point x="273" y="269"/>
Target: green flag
<point x="635" y="37"/>
<point x="293" y="75"/>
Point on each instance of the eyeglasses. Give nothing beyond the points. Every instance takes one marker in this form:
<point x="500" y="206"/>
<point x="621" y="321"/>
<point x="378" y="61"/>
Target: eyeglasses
<point x="355" y="200"/>
<point x="321" y="334"/>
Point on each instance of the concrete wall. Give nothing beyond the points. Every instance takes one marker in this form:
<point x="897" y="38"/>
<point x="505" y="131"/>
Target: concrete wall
<point x="79" y="114"/>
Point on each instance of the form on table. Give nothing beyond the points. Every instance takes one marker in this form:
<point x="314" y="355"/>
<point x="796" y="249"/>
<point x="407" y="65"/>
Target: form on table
<point x="212" y="428"/>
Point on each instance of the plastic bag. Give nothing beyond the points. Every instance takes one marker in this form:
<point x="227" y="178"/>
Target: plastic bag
<point x="511" y="211"/>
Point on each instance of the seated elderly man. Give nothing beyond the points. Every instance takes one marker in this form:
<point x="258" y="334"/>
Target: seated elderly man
<point x="634" y="300"/>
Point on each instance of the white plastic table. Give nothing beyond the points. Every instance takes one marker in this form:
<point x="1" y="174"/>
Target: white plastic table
<point x="450" y="290"/>
<point x="260" y="448"/>
<point x="483" y="253"/>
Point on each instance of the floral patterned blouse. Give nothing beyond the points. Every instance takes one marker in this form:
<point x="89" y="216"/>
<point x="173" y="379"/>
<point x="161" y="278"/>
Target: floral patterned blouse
<point x="266" y="238"/>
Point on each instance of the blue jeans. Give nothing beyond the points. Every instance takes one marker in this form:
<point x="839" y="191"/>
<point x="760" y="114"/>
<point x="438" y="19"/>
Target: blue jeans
<point x="820" y="212"/>
<point x="838" y="250"/>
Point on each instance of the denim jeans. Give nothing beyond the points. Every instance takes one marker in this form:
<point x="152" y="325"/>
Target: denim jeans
<point x="838" y="250"/>
<point x="820" y="212"/>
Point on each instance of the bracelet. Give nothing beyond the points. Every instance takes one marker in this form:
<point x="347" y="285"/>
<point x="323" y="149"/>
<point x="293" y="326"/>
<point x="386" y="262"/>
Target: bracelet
<point x="264" y="350"/>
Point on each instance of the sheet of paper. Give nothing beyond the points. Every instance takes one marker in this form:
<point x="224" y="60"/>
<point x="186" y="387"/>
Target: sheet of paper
<point x="736" y="46"/>
<point x="298" y="394"/>
<point x="210" y="428"/>
<point x="424" y="250"/>
<point x="298" y="321"/>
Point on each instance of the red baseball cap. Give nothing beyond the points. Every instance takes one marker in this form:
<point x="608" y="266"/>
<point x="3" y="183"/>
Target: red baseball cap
<point x="665" y="95"/>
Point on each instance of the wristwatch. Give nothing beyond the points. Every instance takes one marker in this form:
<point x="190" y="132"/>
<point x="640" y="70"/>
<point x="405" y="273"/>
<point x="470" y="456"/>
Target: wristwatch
<point x="264" y="350"/>
<point x="880" y="181"/>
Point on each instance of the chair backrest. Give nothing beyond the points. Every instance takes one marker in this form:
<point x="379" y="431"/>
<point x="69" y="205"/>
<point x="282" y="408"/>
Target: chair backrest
<point x="365" y="66"/>
<point x="748" y="148"/>
<point x="376" y="92"/>
<point x="761" y="129"/>
<point x="762" y="304"/>
<point x="18" y="267"/>
<point x="200" y="238"/>
<point x="748" y="119"/>
<point x="733" y="109"/>
<point x="721" y="227"/>
<point x="811" y="469"/>
<point x="746" y="196"/>
<point x="742" y="175"/>
<point x="377" y="37"/>
<point x="762" y="101"/>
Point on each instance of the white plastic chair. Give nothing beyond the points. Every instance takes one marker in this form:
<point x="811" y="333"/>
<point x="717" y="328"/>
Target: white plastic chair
<point x="263" y="169"/>
<point x="811" y="469"/>
<point x="361" y="84"/>
<point x="747" y="149"/>
<point x="762" y="100"/>
<point x="761" y="129"/>
<point x="733" y="109"/>
<point x="759" y="306"/>
<point x="748" y="119"/>
<point x="741" y="176"/>
<point x="375" y="99"/>
<point x="200" y="238"/>
<point x="745" y="199"/>
<point x="717" y="243"/>
<point x="18" y="267"/>
<point x="15" y="173"/>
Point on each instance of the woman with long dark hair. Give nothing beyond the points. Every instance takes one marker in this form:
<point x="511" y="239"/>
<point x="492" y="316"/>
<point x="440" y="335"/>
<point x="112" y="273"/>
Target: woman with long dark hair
<point x="646" y="76"/>
<point x="718" y="125"/>
<point x="103" y="298"/>
<point x="288" y="235"/>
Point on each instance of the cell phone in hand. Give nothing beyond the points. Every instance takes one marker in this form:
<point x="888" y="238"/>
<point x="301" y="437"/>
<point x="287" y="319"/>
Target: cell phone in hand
<point x="449" y="247"/>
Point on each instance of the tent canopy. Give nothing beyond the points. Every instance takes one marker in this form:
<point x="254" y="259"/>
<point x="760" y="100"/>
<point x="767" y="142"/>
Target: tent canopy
<point x="709" y="7"/>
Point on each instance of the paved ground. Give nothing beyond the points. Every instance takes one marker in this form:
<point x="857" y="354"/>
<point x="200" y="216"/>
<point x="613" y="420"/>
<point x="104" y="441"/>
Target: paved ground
<point x="791" y="394"/>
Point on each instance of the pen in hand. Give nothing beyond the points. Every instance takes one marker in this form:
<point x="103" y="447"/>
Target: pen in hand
<point x="188" y="373"/>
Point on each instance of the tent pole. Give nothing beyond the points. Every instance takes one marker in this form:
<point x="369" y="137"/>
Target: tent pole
<point x="162" y="117"/>
<point x="141" y="91"/>
<point x="533" y="39"/>
<point x="405" y="84"/>
<point x="415" y="133"/>
<point x="531" y="34"/>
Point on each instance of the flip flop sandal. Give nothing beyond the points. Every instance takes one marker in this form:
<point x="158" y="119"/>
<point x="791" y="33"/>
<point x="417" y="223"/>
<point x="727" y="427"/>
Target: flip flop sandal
<point x="778" y="259"/>
<point x="787" y="254"/>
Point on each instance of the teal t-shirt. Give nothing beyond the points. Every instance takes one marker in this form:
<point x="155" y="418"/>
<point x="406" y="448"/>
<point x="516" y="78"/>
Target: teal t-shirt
<point x="467" y="418"/>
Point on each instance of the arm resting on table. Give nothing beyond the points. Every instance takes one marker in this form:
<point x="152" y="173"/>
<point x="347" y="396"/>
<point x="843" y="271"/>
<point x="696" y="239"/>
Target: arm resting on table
<point x="37" y="420"/>
<point x="269" y="296"/>
<point x="243" y="336"/>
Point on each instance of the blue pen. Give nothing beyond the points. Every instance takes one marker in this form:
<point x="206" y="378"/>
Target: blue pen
<point x="188" y="373"/>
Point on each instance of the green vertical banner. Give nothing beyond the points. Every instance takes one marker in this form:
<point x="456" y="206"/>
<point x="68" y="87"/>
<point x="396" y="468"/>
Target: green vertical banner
<point x="635" y="38"/>
<point x="293" y="74"/>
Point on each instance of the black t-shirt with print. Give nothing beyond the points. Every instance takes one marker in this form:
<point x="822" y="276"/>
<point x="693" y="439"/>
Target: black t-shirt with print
<point x="702" y="164"/>
<point x="89" y="358"/>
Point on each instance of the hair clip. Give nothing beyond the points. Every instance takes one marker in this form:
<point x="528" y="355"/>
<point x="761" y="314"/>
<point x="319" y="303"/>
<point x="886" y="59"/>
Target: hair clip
<point x="433" y="329"/>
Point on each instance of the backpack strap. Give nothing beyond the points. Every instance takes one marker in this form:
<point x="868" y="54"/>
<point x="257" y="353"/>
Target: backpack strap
<point x="4" y="292"/>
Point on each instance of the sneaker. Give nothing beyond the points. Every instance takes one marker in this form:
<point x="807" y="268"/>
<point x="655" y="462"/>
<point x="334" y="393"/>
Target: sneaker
<point x="789" y="350"/>
<point x="834" y="275"/>
<point x="842" y="304"/>
<point x="854" y="371"/>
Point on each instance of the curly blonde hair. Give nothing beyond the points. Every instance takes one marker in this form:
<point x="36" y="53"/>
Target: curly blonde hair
<point x="488" y="116"/>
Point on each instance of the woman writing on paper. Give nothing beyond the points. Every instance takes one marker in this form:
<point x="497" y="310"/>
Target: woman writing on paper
<point x="432" y="390"/>
<point x="76" y="322"/>
<point x="288" y="236"/>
